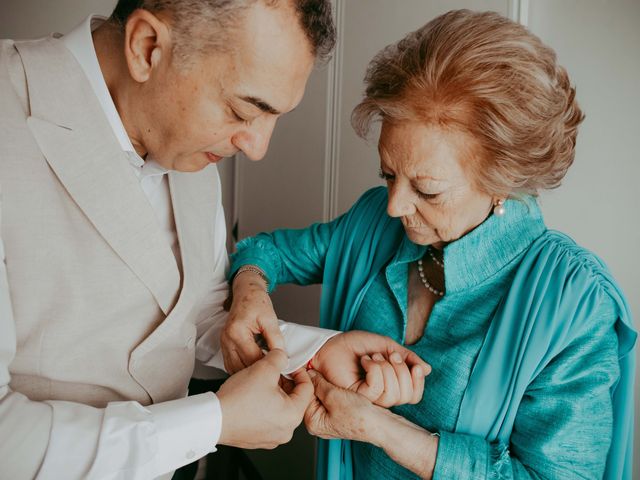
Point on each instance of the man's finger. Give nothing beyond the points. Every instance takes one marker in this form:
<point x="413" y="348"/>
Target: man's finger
<point x="232" y="361"/>
<point x="391" y="388"/>
<point x="277" y="359"/>
<point x="417" y="375"/>
<point x="286" y="385"/>
<point x="272" y="335"/>
<point x="403" y="376"/>
<point x="373" y="385"/>
<point x="388" y="345"/>
<point x="249" y="351"/>
<point x="243" y="340"/>
<point x="411" y="358"/>
<point x="302" y="393"/>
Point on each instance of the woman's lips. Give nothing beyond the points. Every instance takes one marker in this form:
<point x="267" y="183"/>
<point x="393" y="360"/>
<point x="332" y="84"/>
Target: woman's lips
<point x="415" y="227"/>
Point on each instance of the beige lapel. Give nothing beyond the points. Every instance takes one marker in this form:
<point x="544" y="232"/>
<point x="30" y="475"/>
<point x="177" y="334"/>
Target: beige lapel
<point x="79" y="145"/>
<point x="194" y="199"/>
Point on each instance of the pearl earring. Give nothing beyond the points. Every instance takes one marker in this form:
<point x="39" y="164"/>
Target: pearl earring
<point x="498" y="209"/>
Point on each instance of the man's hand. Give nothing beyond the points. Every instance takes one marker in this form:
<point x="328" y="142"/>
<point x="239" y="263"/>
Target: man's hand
<point x="391" y="381"/>
<point x="251" y="315"/>
<point x="256" y="411"/>
<point x="383" y="371"/>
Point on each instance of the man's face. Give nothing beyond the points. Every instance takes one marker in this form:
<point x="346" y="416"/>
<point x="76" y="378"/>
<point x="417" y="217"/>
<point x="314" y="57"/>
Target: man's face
<point x="226" y="102"/>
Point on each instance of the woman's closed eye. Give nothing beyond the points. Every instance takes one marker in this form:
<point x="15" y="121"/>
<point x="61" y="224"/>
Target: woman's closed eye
<point x="386" y="176"/>
<point x="390" y="178"/>
<point x="427" y="196"/>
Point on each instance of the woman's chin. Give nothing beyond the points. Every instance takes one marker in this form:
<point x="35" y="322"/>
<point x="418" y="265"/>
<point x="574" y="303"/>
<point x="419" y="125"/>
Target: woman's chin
<point x="420" y="237"/>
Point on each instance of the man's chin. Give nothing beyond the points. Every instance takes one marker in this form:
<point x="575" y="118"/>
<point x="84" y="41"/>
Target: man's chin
<point x="196" y="162"/>
<point x="190" y="167"/>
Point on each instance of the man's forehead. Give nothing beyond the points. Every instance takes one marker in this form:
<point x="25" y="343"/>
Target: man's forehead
<point x="268" y="63"/>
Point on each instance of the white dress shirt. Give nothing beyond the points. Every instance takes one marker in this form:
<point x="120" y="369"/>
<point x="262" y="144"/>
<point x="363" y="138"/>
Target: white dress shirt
<point x="126" y="439"/>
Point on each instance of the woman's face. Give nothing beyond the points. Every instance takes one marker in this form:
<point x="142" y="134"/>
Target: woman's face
<point x="430" y="185"/>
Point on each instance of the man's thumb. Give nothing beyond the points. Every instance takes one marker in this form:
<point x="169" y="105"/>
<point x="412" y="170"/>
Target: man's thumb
<point x="277" y="358"/>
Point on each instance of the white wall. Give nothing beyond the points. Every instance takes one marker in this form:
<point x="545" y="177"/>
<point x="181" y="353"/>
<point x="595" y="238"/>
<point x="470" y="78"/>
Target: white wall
<point x="598" y="205"/>
<point x="36" y="18"/>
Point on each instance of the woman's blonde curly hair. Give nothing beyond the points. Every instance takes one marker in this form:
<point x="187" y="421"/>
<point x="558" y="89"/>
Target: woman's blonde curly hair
<point x="486" y="75"/>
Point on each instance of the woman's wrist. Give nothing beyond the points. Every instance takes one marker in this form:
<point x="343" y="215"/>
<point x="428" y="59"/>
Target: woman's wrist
<point x="249" y="278"/>
<point x="379" y="422"/>
<point x="407" y="443"/>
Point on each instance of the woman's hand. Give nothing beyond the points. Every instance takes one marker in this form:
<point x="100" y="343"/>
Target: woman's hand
<point x="340" y="413"/>
<point x="251" y="315"/>
<point x="385" y="372"/>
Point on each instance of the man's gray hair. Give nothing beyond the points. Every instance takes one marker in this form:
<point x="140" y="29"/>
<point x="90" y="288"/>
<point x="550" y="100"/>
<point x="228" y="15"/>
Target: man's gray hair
<point x="197" y="24"/>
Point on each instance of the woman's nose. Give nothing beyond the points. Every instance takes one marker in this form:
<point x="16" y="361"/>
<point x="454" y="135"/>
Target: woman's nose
<point x="400" y="203"/>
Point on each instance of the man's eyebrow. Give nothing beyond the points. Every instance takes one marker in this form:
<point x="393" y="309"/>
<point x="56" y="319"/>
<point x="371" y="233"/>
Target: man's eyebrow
<point x="261" y="104"/>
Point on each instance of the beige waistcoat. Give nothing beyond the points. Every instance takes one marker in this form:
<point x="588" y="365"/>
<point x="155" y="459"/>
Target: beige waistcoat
<point x="100" y="310"/>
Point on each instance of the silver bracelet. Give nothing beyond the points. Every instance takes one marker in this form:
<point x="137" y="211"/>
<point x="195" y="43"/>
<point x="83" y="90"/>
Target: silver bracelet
<point x="253" y="269"/>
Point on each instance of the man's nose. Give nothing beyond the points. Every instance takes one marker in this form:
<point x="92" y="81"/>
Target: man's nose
<point x="400" y="203"/>
<point x="253" y="140"/>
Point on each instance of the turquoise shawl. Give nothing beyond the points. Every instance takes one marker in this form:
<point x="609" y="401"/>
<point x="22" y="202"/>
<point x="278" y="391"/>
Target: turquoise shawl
<point x="513" y="352"/>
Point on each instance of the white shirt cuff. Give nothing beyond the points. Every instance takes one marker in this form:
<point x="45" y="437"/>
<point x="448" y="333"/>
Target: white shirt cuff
<point x="187" y="429"/>
<point x="301" y="344"/>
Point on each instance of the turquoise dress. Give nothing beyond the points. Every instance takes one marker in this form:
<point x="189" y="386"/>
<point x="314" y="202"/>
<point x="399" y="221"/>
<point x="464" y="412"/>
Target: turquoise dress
<point x="531" y="378"/>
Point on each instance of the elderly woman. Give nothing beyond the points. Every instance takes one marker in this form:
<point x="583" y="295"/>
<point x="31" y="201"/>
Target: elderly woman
<point x="528" y="335"/>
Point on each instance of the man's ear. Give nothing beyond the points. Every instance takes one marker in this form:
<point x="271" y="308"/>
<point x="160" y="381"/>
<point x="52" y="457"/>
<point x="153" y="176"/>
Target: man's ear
<point x="147" y="43"/>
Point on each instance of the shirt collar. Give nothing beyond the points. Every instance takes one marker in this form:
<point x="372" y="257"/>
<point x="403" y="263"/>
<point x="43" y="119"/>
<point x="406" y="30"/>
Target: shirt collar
<point x="80" y="43"/>
<point x="487" y="249"/>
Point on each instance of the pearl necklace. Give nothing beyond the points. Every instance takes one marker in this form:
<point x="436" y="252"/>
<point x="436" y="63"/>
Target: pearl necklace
<point x="434" y="258"/>
<point x="426" y="283"/>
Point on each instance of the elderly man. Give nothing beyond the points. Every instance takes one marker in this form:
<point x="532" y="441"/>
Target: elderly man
<point x="113" y="271"/>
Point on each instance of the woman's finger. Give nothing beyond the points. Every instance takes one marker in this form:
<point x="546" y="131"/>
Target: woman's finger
<point x="314" y="416"/>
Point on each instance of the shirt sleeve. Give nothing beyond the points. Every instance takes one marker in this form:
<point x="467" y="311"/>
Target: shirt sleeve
<point x="57" y="439"/>
<point x="564" y="424"/>
<point x="301" y="344"/>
